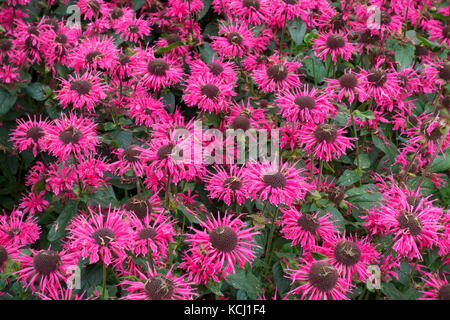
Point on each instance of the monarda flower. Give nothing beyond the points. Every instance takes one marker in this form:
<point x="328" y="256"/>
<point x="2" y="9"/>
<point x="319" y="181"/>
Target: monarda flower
<point x="305" y="229"/>
<point x="278" y="75"/>
<point x="132" y="157"/>
<point x="83" y="91"/>
<point x="17" y="230"/>
<point x="254" y="12"/>
<point x="31" y="133"/>
<point x="94" y="54"/>
<point x="33" y="202"/>
<point x="347" y="86"/>
<point x="72" y="135"/>
<point x="100" y="236"/>
<point x="334" y="45"/>
<point x="304" y="105"/>
<point x="46" y="267"/>
<point x="414" y="227"/>
<point x="208" y="93"/>
<point x="155" y="285"/>
<point x="227" y="184"/>
<point x="325" y="140"/>
<point x="277" y="184"/>
<point x="152" y="235"/>
<point x="435" y="288"/>
<point x="221" y="70"/>
<point x="223" y="243"/>
<point x="349" y="255"/>
<point x="8" y="252"/>
<point x="133" y="29"/>
<point x="236" y="40"/>
<point x="320" y="281"/>
<point x="157" y="73"/>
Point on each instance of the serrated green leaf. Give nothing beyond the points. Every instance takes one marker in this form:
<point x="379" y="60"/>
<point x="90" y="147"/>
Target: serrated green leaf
<point x="297" y="30"/>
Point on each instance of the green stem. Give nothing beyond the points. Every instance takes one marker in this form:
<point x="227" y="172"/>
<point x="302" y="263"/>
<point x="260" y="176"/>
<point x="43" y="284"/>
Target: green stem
<point x="356" y="137"/>
<point x="312" y="166"/>
<point x="319" y="180"/>
<point x="104" y="281"/>
<point x="269" y="240"/>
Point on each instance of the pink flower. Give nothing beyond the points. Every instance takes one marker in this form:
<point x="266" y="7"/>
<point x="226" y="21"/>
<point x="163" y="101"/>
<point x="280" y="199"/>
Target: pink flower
<point x="101" y="236"/>
<point x="17" y="230"/>
<point x="335" y="45"/>
<point x="31" y="133"/>
<point x="227" y="184"/>
<point x="236" y="40"/>
<point x="33" y="203"/>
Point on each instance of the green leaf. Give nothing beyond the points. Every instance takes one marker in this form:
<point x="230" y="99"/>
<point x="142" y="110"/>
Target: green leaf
<point x="137" y="4"/>
<point x="91" y="276"/>
<point x="389" y="149"/>
<point x="169" y="101"/>
<point x="364" y="115"/>
<point x="123" y="138"/>
<point x="206" y="6"/>
<point x="247" y="282"/>
<point x="169" y="48"/>
<point x="297" y="29"/>
<point x="36" y="91"/>
<point x="283" y="284"/>
<point x="348" y="177"/>
<point x="336" y="215"/>
<point x="207" y="52"/>
<point x="319" y="256"/>
<point x="441" y="163"/>
<point x="6" y="101"/>
<point x="215" y="287"/>
<point x="58" y="230"/>
<point x="391" y="291"/>
<point x="364" y="161"/>
<point x="104" y="197"/>
<point x="315" y="68"/>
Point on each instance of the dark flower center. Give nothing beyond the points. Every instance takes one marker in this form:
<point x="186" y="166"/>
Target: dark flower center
<point x="234" y="183"/>
<point x="444" y="71"/>
<point x="159" y="287"/>
<point x="158" y="67"/>
<point x="277" y="180"/>
<point x="377" y="77"/>
<point x="33" y="30"/>
<point x="263" y="103"/>
<point x="93" y="55"/>
<point x="251" y="4"/>
<point x="70" y="135"/>
<point x="347" y="253"/>
<point x="368" y="38"/>
<point x="124" y="59"/>
<point x="421" y="50"/>
<point x="277" y="72"/>
<point x="241" y="122"/>
<point x="14" y="232"/>
<point x="446" y="31"/>
<point x="164" y="151"/>
<point x="413" y="120"/>
<point x="308" y="223"/>
<point x="336" y="194"/>
<point x="103" y="236"/>
<point x="172" y="38"/>
<point x="348" y="81"/>
<point x="81" y="86"/>
<point x="210" y="91"/>
<point x="215" y="68"/>
<point x="335" y="41"/>
<point x="5" y="45"/>
<point x="116" y="13"/>
<point x="325" y="132"/>
<point x="147" y="233"/>
<point x="337" y="22"/>
<point x="413" y="201"/>
<point x="223" y="238"/>
<point x="234" y="38"/>
<point x="3" y="256"/>
<point x="291" y="2"/>
<point x="444" y="292"/>
<point x="131" y="154"/>
<point x="305" y="102"/>
<point x="261" y="59"/>
<point x="410" y="222"/>
<point x="133" y="28"/>
<point x="385" y="18"/>
<point x="61" y="38"/>
<point x="29" y="43"/>
<point x="94" y="5"/>
<point x="435" y="134"/>
<point x="35" y="133"/>
<point x="141" y="208"/>
<point x="46" y="262"/>
<point x="323" y="276"/>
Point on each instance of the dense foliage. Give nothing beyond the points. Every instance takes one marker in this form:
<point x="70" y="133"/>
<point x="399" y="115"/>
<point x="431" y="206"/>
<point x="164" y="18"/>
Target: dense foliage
<point x="94" y="94"/>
